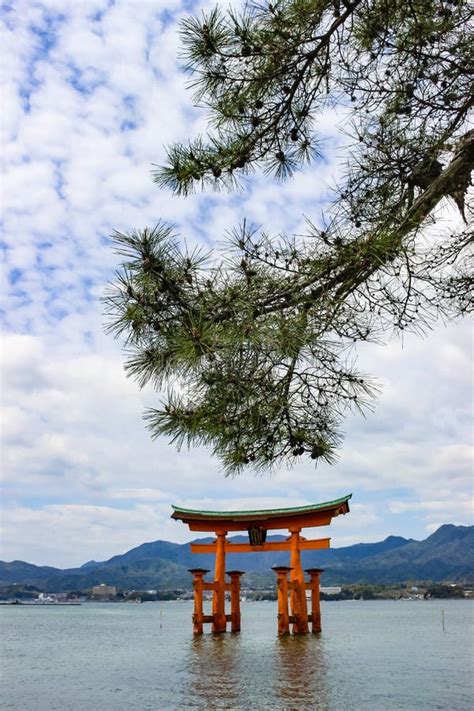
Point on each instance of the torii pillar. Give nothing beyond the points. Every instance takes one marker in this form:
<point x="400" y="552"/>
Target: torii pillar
<point x="198" y="584"/>
<point x="313" y="585"/>
<point x="235" y="576"/>
<point x="218" y="598"/>
<point x="299" y="608"/>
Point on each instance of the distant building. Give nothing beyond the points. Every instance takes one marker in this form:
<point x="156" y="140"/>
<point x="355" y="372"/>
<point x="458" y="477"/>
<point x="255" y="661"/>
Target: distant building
<point x="104" y="590"/>
<point x="334" y="590"/>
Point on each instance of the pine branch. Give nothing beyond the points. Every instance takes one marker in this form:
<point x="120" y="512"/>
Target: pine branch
<point x="257" y="351"/>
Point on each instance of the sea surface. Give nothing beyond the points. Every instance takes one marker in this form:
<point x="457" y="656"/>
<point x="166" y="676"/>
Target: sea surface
<point x="371" y="656"/>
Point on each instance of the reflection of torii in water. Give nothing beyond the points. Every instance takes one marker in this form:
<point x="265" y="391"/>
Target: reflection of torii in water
<point x="257" y="523"/>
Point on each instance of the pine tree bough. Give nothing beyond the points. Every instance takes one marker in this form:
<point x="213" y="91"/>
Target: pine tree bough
<point x="256" y="352"/>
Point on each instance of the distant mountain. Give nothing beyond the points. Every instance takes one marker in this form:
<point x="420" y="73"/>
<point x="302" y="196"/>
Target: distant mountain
<point x="25" y="573"/>
<point x="448" y="554"/>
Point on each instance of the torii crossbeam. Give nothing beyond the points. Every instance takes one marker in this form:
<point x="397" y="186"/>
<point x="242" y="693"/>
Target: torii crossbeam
<point x="257" y="523"/>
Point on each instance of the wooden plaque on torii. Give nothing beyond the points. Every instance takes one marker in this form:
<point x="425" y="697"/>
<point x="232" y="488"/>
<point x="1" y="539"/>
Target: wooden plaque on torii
<point x="257" y="523"/>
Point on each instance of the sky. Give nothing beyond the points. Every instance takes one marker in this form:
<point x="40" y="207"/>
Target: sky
<point x="93" y="92"/>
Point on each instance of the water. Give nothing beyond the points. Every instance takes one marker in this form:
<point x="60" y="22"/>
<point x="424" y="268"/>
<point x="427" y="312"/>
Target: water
<point x="371" y="656"/>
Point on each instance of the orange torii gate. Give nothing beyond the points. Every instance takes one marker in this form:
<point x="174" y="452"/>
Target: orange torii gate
<point x="257" y="523"/>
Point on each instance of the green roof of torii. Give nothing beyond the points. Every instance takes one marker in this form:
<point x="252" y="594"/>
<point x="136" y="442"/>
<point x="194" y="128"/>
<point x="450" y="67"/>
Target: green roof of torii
<point x="179" y="512"/>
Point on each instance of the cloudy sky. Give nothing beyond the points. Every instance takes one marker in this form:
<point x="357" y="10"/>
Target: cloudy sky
<point x="94" y="92"/>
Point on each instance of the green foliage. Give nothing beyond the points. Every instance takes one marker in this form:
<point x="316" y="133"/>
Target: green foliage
<point x="255" y="352"/>
<point x="444" y="591"/>
<point x="266" y="74"/>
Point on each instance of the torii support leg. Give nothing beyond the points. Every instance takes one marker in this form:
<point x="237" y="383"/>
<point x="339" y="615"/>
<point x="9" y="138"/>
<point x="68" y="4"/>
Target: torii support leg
<point x="198" y="582"/>
<point x="218" y="599"/>
<point x="314" y="574"/>
<point x="235" y="599"/>
<point x="282" y="587"/>
<point x="299" y="608"/>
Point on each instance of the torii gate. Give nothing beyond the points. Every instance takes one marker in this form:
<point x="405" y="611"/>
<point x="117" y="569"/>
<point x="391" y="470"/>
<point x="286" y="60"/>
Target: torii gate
<point x="257" y="523"/>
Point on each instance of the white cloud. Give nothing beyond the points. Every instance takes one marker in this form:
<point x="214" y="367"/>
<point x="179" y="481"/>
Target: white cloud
<point x="60" y="534"/>
<point x="449" y="507"/>
<point x="143" y="494"/>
